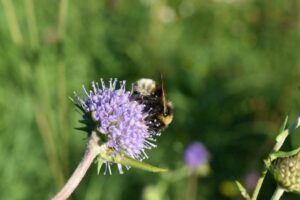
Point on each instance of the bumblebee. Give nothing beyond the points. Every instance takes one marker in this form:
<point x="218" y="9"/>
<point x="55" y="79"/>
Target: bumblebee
<point x="159" y="109"/>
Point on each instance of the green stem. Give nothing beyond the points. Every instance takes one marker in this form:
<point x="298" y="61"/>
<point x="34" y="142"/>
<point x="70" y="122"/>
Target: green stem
<point x="92" y="151"/>
<point x="192" y="186"/>
<point x="259" y="183"/>
<point x="278" y="193"/>
<point x="279" y="142"/>
<point x="12" y="21"/>
<point x="49" y="144"/>
<point x="63" y="8"/>
<point x="31" y="21"/>
<point x="285" y="133"/>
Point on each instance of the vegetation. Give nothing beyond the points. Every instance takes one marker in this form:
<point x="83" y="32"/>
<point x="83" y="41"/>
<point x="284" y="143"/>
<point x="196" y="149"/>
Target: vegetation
<point x="231" y="68"/>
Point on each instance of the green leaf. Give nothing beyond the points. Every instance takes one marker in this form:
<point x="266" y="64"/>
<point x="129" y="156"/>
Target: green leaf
<point x="242" y="190"/>
<point x="85" y="129"/>
<point x="99" y="164"/>
<point x="126" y="160"/>
<point x="283" y="154"/>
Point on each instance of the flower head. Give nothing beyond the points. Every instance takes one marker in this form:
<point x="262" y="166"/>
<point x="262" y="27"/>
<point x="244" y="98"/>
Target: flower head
<point x="118" y="119"/>
<point x="286" y="170"/>
<point x="195" y="155"/>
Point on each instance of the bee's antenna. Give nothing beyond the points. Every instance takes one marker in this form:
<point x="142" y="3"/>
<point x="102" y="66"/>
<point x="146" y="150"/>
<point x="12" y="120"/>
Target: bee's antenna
<point x="163" y="94"/>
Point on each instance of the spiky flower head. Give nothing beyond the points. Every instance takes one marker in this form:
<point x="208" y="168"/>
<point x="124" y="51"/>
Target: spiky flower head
<point x="286" y="170"/>
<point x="117" y="118"/>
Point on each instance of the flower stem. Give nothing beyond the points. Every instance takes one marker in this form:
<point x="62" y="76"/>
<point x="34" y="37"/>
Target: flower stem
<point x="192" y="186"/>
<point x="278" y="193"/>
<point x="93" y="149"/>
<point x="279" y="142"/>
<point x="259" y="183"/>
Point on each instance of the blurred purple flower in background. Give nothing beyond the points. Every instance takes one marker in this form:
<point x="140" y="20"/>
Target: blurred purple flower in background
<point x="195" y="155"/>
<point x="251" y="180"/>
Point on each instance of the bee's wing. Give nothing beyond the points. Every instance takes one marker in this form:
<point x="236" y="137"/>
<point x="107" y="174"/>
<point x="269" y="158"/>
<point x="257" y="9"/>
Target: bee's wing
<point x="163" y="94"/>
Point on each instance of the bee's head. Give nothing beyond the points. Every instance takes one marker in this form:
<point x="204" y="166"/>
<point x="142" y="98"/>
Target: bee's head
<point x="145" y="86"/>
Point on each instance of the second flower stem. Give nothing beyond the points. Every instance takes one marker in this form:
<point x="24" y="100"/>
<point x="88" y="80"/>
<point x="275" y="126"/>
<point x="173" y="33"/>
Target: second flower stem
<point x="279" y="142"/>
<point x="278" y="193"/>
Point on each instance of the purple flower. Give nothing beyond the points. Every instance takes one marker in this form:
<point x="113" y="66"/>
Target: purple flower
<point x="118" y="119"/>
<point x="251" y="180"/>
<point x="195" y="155"/>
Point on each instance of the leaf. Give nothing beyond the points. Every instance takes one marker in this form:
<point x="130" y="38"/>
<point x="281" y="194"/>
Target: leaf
<point x="126" y="160"/>
<point x="242" y="190"/>
<point x="99" y="164"/>
<point x="283" y="154"/>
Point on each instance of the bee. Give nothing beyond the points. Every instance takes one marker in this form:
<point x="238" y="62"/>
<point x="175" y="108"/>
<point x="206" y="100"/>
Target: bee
<point x="159" y="109"/>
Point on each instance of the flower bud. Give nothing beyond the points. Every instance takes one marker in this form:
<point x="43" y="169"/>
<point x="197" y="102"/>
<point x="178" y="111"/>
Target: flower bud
<point x="195" y="155"/>
<point x="286" y="170"/>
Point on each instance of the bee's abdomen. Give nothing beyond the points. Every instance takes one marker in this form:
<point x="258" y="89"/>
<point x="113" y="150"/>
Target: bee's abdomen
<point x="154" y="108"/>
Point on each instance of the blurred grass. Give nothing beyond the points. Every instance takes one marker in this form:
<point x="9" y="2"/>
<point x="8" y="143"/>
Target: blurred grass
<point x="231" y="69"/>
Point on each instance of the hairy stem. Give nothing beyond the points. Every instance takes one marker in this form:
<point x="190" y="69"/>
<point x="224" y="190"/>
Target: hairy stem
<point x="93" y="149"/>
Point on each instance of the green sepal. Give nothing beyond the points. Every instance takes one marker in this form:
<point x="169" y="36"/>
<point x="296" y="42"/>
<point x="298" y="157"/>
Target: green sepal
<point x="242" y="190"/>
<point x="76" y="104"/>
<point x="283" y="154"/>
<point x="128" y="161"/>
<point x="85" y="129"/>
<point x="281" y="133"/>
<point x="99" y="164"/>
<point x="82" y="121"/>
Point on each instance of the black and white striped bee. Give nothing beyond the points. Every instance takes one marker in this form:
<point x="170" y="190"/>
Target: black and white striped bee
<point x="159" y="109"/>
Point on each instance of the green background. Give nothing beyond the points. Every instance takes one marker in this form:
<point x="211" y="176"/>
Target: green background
<point x="231" y="67"/>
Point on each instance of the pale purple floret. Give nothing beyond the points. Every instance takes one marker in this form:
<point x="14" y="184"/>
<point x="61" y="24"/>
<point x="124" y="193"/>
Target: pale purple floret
<point x="119" y="118"/>
<point x="195" y="155"/>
